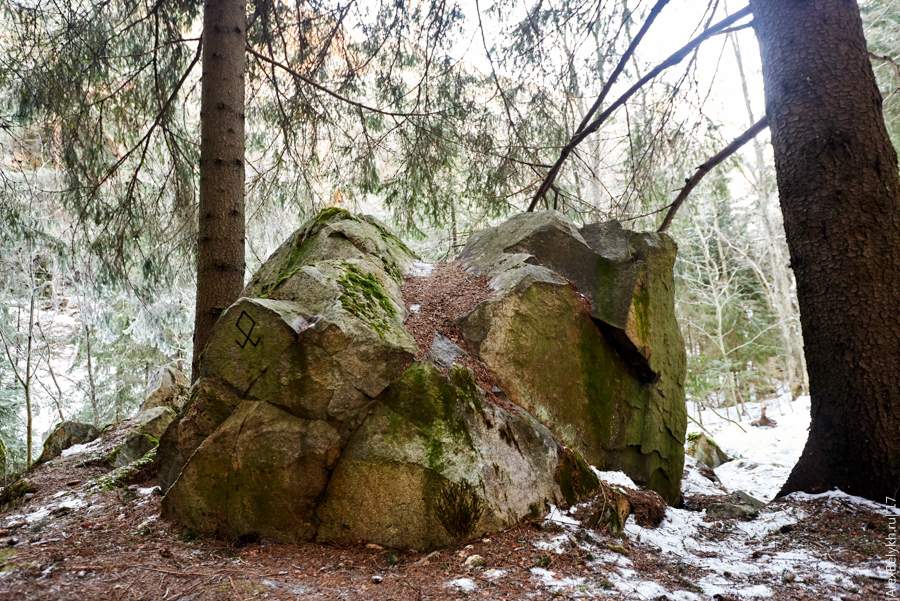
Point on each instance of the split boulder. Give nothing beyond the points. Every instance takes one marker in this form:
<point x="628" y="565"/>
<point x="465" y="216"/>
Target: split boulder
<point x="312" y="418"/>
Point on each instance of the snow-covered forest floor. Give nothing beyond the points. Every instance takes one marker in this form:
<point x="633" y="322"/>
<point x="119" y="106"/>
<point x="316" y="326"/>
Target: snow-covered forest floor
<point x="83" y="535"/>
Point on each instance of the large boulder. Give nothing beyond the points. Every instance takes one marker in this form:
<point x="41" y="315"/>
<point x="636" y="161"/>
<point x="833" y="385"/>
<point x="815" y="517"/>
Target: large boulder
<point x="65" y="435"/>
<point x="582" y="334"/>
<point x="311" y="418"/>
<point x="143" y="436"/>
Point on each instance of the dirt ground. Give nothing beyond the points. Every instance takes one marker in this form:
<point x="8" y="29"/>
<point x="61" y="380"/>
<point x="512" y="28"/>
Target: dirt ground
<point x="74" y="541"/>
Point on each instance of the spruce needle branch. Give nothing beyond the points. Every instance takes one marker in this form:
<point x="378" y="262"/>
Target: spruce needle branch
<point x="321" y="88"/>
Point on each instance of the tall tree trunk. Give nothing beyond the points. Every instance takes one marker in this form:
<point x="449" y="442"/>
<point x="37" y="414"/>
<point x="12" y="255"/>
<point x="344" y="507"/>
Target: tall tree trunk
<point x="220" y="249"/>
<point x="840" y="195"/>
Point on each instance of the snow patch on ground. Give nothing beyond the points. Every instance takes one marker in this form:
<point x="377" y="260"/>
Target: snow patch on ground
<point x="838" y="496"/>
<point x="695" y="483"/>
<point x="763" y="457"/>
<point x="421" y="269"/>
<point x="615" y="478"/>
<point x="734" y="559"/>
<point x="555" y="582"/>
<point x="560" y="517"/>
<point x="465" y="585"/>
<point x="78" y="449"/>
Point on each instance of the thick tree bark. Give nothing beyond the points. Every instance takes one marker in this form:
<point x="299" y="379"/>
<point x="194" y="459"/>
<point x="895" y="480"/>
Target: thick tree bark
<point x="840" y="195"/>
<point x="220" y="251"/>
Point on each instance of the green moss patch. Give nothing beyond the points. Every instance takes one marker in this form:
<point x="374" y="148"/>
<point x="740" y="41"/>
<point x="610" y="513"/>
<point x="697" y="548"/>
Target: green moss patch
<point x="301" y="248"/>
<point x="364" y="297"/>
<point x="137" y="471"/>
<point x="575" y="478"/>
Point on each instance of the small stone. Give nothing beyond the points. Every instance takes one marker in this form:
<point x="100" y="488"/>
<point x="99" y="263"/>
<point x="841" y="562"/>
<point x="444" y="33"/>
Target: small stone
<point x="144" y="528"/>
<point x="474" y="561"/>
<point x="428" y="558"/>
<point x="619" y="549"/>
<point x="444" y="352"/>
<point x="28" y="496"/>
<point x="731" y="511"/>
<point x="742" y="497"/>
<point x="377" y="579"/>
<point x="374" y="547"/>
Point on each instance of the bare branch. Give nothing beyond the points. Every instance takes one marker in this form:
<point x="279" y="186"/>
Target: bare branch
<point x="888" y="60"/>
<point x="660" y="4"/>
<point x="717" y="29"/>
<point x="706" y="167"/>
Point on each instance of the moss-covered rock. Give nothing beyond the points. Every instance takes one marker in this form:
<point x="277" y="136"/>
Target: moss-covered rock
<point x="138" y="470"/>
<point x="150" y="424"/>
<point x="705" y="450"/>
<point x="434" y="463"/>
<point x="296" y="363"/>
<point x="310" y="419"/>
<point x="65" y="435"/>
<point x="600" y="363"/>
<point x="14" y="494"/>
<point x="333" y="235"/>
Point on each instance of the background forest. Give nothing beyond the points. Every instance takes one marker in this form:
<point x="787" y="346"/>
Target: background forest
<point x="440" y="118"/>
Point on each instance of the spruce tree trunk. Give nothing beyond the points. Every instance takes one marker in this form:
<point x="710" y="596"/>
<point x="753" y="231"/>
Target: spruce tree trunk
<point x="220" y="248"/>
<point x="840" y="195"/>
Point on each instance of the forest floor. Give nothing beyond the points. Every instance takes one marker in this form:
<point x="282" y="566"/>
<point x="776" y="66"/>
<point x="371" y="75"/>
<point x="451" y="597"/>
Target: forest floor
<point x="76" y="540"/>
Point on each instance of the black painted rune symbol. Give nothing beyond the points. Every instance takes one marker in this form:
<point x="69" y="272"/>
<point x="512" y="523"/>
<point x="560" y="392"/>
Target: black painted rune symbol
<point x="246" y="334"/>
